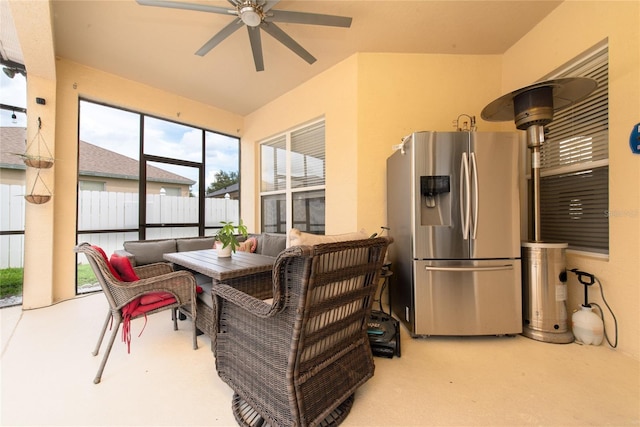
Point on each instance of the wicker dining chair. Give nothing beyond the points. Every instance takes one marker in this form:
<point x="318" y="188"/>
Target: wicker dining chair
<point x="164" y="289"/>
<point x="298" y="359"/>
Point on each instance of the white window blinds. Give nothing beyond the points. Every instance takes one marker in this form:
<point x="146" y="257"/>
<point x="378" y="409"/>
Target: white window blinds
<point x="274" y="164"/>
<point x="574" y="165"/>
<point x="307" y="156"/>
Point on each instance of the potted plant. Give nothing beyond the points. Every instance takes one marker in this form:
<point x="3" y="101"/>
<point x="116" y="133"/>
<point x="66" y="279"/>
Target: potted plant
<point x="227" y="240"/>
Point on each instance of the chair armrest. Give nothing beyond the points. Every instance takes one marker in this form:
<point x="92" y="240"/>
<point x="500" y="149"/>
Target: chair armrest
<point x="247" y="302"/>
<point x="155" y="269"/>
<point x="182" y="284"/>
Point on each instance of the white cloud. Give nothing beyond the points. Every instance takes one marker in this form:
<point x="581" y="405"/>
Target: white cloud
<point x="13" y="92"/>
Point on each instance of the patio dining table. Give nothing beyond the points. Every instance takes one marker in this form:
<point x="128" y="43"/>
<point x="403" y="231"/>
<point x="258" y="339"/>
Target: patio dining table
<point x="207" y="262"/>
<point x="248" y="272"/>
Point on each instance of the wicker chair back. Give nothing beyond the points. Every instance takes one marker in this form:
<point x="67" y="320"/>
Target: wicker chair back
<point x="298" y="359"/>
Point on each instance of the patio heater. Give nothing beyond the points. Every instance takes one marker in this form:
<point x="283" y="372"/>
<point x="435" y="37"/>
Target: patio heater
<point x="544" y="289"/>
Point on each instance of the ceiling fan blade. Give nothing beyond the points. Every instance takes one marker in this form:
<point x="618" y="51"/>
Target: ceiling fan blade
<point x="187" y="6"/>
<point x="309" y="18"/>
<point x="256" y="47"/>
<point x="269" y="4"/>
<point x="274" y="31"/>
<point x="219" y="37"/>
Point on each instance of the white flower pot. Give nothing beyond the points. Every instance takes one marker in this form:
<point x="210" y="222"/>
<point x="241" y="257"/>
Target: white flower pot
<point x="223" y="252"/>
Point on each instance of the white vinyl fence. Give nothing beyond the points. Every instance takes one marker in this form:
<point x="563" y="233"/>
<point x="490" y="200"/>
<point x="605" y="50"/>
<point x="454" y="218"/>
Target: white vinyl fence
<point x="12" y="219"/>
<point x="101" y="210"/>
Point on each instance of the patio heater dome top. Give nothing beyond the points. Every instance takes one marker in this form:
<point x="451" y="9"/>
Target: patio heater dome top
<point x="535" y="104"/>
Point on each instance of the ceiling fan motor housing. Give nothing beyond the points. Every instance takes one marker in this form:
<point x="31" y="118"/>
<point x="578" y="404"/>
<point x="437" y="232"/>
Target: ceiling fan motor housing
<point x="533" y="107"/>
<point x="250" y="14"/>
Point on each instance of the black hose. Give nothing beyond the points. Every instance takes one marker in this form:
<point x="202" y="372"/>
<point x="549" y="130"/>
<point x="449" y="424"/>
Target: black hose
<point x="615" y="321"/>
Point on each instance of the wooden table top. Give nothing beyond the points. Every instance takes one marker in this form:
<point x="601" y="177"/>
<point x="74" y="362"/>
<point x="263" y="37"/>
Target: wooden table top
<point x="206" y="261"/>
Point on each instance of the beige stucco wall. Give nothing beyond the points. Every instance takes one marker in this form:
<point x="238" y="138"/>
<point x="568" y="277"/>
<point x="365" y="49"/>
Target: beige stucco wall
<point x="369" y="102"/>
<point x="572" y="28"/>
<point x="331" y="95"/>
<point x="402" y="93"/>
<point x="397" y="94"/>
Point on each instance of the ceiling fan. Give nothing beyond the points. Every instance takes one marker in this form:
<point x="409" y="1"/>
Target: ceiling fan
<point x="256" y="15"/>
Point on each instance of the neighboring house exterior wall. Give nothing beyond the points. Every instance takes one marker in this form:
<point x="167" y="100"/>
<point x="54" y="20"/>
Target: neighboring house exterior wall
<point x="12" y="176"/>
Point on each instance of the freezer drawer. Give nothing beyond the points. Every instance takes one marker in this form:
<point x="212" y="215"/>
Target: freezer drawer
<point x="468" y="297"/>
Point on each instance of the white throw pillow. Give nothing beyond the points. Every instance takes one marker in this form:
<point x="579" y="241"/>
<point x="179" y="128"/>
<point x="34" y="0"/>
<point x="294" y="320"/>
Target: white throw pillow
<point x="297" y="237"/>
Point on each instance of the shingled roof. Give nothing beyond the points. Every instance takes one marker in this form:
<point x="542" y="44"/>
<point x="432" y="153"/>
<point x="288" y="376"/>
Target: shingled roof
<point x="94" y="161"/>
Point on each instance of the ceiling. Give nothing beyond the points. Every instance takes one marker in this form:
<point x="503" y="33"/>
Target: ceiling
<point x="156" y="46"/>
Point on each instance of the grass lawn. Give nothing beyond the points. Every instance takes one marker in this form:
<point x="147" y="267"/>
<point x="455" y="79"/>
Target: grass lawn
<point x="11" y="279"/>
<point x="10" y="282"/>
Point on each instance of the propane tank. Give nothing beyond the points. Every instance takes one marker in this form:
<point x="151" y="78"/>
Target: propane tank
<point x="587" y="326"/>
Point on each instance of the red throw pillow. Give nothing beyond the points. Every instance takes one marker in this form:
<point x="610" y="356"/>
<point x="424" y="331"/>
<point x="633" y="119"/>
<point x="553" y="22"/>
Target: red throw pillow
<point x="111" y="269"/>
<point x="248" y="245"/>
<point x="123" y="266"/>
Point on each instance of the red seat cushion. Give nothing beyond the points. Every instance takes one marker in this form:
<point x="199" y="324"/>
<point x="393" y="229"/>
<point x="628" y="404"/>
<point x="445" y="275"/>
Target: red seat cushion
<point x="145" y="308"/>
<point x="155" y="297"/>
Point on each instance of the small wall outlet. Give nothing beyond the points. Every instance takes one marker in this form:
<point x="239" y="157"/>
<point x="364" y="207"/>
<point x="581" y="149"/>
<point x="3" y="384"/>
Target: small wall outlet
<point x="41" y="101"/>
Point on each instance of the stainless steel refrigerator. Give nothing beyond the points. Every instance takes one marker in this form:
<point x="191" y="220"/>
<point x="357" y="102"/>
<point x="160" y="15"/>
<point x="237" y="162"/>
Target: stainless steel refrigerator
<point x="453" y="211"/>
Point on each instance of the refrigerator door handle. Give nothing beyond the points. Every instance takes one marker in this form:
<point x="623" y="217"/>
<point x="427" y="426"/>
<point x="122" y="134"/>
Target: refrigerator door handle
<point x="465" y="196"/>
<point x="474" y="170"/>
<point x="490" y="268"/>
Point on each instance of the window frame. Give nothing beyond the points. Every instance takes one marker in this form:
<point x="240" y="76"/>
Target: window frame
<point x="568" y="205"/>
<point x="308" y="185"/>
<point x="142" y="229"/>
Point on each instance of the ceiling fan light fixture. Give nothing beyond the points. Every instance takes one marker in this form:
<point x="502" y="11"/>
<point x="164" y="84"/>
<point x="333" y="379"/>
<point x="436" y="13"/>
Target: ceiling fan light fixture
<point x="250" y="16"/>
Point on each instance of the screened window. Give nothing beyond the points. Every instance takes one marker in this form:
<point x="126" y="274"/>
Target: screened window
<point x="574" y="161"/>
<point x="293" y="180"/>
<point x="142" y="177"/>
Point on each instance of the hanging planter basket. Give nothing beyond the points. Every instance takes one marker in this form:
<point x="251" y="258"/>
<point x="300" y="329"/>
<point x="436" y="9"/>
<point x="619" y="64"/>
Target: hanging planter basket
<point x="38" y="157"/>
<point x="37" y="199"/>
<point x="37" y="161"/>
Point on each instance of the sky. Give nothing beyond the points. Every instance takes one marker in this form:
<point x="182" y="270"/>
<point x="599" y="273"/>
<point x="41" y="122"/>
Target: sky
<point x="118" y="130"/>
<point x="13" y="92"/>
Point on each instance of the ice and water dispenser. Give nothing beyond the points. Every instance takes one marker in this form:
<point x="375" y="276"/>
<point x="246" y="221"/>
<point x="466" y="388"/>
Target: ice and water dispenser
<point x="436" y="194"/>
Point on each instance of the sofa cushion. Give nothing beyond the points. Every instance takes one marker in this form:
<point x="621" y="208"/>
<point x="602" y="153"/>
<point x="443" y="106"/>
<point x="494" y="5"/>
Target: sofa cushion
<point x="298" y="238"/>
<point x="205" y="296"/>
<point x="195" y="244"/>
<point x="271" y="244"/>
<point x="150" y="251"/>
